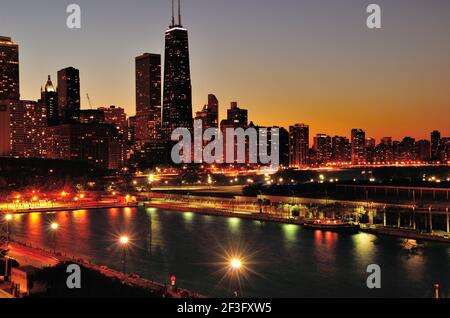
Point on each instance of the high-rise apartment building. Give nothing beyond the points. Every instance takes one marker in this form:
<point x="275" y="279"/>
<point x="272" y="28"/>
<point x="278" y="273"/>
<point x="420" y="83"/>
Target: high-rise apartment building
<point x="9" y="69"/>
<point x="358" y="140"/>
<point x="68" y="93"/>
<point x="298" y="145"/>
<point x="148" y="98"/>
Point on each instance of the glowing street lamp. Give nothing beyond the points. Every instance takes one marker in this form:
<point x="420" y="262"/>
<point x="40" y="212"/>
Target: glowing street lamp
<point x="124" y="241"/>
<point x="235" y="266"/>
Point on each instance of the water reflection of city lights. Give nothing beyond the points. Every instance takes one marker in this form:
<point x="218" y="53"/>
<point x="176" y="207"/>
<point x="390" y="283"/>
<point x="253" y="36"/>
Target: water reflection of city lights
<point x="188" y="216"/>
<point x="290" y="232"/>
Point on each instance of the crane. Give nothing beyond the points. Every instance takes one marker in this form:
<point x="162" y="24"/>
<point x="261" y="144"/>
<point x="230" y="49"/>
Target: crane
<point x="89" y="100"/>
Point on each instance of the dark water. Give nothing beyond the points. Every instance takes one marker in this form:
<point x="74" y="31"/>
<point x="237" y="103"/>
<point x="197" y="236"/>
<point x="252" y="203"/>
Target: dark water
<point x="279" y="260"/>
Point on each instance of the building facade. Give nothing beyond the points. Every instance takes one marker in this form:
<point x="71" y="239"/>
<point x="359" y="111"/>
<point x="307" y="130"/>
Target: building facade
<point x="9" y="69"/>
<point x="96" y="144"/>
<point x="68" y="94"/>
<point x="177" y="95"/>
<point x="358" y="140"/>
<point x="298" y="145"/>
<point x="148" y="98"/>
<point x="49" y="97"/>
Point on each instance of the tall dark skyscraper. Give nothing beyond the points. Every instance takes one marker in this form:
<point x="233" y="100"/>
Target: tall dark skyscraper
<point x="9" y="69"/>
<point x="49" y="96"/>
<point x="177" y="97"/>
<point x="148" y="98"/>
<point x="358" y="146"/>
<point x="435" y="142"/>
<point x="68" y="93"/>
<point x="298" y="145"/>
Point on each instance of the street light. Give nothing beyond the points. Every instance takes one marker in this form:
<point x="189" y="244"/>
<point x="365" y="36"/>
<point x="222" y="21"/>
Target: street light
<point x="54" y="227"/>
<point x="124" y="241"/>
<point x="436" y="290"/>
<point x="235" y="266"/>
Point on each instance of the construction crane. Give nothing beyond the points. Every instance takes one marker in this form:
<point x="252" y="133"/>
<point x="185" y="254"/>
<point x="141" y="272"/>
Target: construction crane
<point x="89" y="100"/>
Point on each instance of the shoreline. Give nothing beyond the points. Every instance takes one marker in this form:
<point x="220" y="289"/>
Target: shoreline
<point x="66" y="209"/>
<point x="379" y="231"/>
<point x="128" y="278"/>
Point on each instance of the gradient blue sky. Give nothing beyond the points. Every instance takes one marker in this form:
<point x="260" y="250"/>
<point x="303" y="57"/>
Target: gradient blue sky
<point x="287" y="61"/>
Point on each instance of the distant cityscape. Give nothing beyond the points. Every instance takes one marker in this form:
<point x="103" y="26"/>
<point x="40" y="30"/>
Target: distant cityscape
<point x="55" y="126"/>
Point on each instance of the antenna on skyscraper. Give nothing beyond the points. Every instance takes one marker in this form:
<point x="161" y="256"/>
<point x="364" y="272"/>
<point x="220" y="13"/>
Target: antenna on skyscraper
<point x="173" y="13"/>
<point x="179" y="12"/>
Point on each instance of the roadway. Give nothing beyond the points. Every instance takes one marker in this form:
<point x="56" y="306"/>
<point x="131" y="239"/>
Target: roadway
<point x="28" y="256"/>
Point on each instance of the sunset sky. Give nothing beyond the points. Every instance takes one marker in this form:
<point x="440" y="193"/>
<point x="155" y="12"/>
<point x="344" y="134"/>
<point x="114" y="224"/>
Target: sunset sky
<point x="287" y="61"/>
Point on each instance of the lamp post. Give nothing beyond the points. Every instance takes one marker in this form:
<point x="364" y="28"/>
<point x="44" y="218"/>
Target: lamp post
<point x="54" y="227"/>
<point x="235" y="266"/>
<point x="124" y="240"/>
<point x="436" y="290"/>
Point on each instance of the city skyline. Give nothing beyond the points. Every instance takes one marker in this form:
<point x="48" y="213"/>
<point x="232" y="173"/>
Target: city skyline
<point x="322" y="115"/>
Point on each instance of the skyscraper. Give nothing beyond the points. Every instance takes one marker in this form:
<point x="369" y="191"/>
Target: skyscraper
<point x="358" y="140"/>
<point x="298" y="145"/>
<point x="34" y="126"/>
<point x="435" y="143"/>
<point x="322" y="146"/>
<point x="17" y="123"/>
<point x="177" y="95"/>
<point x="117" y="117"/>
<point x="341" y="149"/>
<point x="423" y="150"/>
<point x="384" y="152"/>
<point x="49" y="96"/>
<point x="236" y="118"/>
<point x="68" y="93"/>
<point x="209" y="115"/>
<point x="5" y="128"/>
<point x="9" y="69"/>
<point x="95" y="143"/>
<point x="148" y="98"/>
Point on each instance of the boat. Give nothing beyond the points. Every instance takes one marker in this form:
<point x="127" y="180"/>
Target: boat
<point x="333" y="225"/>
